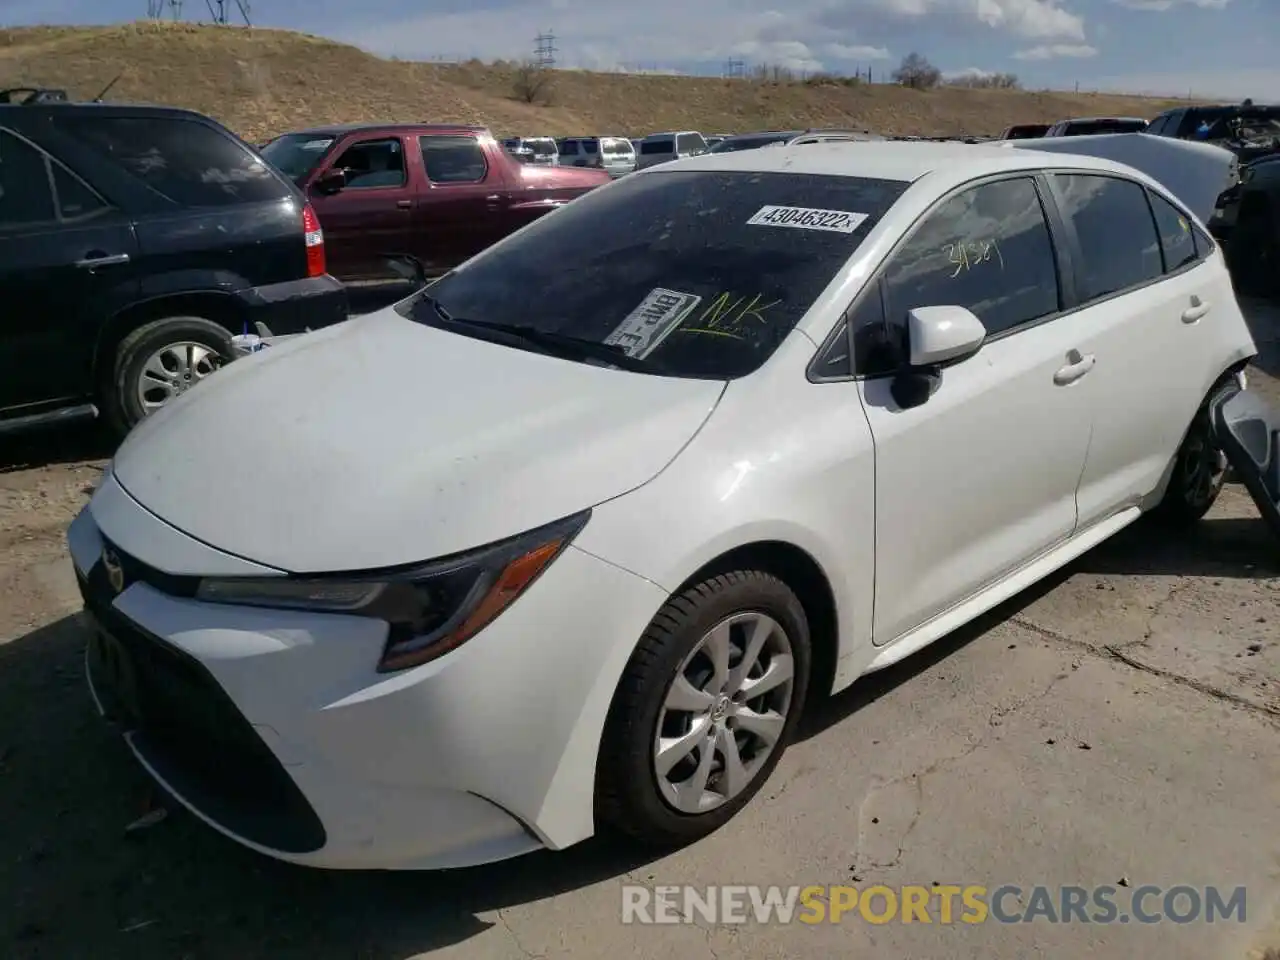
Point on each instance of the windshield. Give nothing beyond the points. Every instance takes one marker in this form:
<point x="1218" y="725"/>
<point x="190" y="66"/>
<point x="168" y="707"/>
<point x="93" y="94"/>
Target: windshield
<point x="1087" y="128"/>
<point x="702" y="274"/>
<point x="751" y="143"/>
<point x="296" y="154"/>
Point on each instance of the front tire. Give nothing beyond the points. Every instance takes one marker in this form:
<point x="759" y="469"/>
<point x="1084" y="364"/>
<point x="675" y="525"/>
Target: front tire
<point x="705" y="709"/>
<point x="162" y="360"/>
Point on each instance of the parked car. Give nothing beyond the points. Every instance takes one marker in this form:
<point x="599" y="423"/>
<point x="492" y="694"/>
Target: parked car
<point x="787" y="138"/>
<point x="716" y="138"/>
<point x="1248" y="216"/>
<point x="1024" y="131"/>
<point x="1250" y="131"/>
<point x="135" y="242"/>
<point x="439" y="192"/>
<point x="536" y="150"/>
<point x="1093" y="126"/>
<point x="663" y="147"/>
<point x="654" y="518"/>
<point x="614" y="155"/>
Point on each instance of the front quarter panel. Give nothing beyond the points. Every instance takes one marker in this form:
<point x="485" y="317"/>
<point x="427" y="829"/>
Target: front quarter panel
<point x="781" y="459"/>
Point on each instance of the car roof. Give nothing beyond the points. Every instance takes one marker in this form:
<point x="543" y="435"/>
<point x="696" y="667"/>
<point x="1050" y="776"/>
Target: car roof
<point x="669" y="133"/>
<point x="904" y="161"/>
<point x="341" y="129"/>
<point x="1105" y="120"/>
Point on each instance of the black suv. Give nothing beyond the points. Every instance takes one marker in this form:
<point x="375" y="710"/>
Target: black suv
<point x="135" y="241"/>
<point x="1249" y="130"/>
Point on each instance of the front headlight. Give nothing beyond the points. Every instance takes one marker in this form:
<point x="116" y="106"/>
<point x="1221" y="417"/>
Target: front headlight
<point x="431" y="608"/>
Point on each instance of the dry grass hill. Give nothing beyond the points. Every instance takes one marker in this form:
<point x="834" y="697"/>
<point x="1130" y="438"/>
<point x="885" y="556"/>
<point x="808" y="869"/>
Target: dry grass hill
<point x="262" y="82"/>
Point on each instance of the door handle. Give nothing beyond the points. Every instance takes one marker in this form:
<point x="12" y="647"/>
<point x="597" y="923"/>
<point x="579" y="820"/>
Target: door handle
<point x="1197" y="310"/>
<point x="494" y="197"/>
<point x="103" y="260"/>
<point x="1077" y="366"/>
<point x="404" y="204"/>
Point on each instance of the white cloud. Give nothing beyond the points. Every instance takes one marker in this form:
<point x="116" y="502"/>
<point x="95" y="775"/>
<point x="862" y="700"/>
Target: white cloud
<point x="1162" y="5"/>
<point x="1029" y="19"/>
<point x="842" y="51"/>
<point x="969" y="73"/>
<point x="1057" y="51"/>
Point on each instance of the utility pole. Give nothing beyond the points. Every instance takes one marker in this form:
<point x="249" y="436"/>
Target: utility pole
<point x="544" y="50"/>
<point x="734" y="67"/>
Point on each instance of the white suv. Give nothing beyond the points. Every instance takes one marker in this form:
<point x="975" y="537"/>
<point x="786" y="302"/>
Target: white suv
<point x="661" y="147"/>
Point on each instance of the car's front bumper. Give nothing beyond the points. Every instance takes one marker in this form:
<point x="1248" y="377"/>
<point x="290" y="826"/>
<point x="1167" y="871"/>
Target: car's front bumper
<point x="275" y="728"/>
<point x="297" y="305"/>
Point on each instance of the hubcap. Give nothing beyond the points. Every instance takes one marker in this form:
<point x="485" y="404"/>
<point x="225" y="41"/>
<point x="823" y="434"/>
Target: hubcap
<point x="1204" y="467"/>
<point x="724" y="713"/>
<point x="172" y="370"/>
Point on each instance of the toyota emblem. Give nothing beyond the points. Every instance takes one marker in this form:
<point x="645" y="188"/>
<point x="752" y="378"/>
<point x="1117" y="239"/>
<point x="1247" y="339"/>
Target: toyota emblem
<point x="115" y="572"/>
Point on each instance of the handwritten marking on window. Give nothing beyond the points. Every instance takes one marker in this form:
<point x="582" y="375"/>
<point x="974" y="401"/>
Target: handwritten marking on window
<point x="965" y="256"/>
<point x="729" y="312"/>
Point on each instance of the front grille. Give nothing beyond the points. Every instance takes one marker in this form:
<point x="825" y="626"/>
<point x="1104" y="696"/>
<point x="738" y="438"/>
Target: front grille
<point x="186" y="727"/>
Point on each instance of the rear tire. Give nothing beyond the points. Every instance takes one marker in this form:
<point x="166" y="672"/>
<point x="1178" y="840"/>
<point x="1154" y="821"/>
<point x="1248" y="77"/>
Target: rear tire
<point x="1199" y="471"/>
<point x="649" y="787"/>
<point x="159" y="361"/>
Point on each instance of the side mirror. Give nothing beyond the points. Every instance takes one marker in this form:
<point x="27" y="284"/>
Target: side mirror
<point x="938" y="335"/>
<point x="407" y="267"/>
<point x="331" y="181"/>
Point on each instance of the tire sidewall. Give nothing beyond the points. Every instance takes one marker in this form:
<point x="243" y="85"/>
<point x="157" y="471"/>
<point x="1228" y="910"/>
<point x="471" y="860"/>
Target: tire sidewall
<point x="137" y="349"/>
<point x="634" y="735"/>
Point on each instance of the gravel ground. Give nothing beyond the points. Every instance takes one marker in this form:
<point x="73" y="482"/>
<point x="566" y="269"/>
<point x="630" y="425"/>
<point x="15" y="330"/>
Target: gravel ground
<point x="1118" y="721"/>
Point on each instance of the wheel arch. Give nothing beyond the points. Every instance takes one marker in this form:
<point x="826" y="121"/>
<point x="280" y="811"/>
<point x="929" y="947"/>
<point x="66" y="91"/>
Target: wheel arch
<point x="797" y="568"/>
<point x="220" y="308"/>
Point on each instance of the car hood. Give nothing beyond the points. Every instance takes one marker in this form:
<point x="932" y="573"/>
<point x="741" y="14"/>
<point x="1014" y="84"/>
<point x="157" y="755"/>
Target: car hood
<point x="379" y="442"/>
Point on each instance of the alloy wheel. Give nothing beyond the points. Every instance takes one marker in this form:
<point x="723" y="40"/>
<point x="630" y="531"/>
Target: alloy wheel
<point x="724" y="713"/>
<point x="1204" y="468"/>
<point x="173" y="370"/>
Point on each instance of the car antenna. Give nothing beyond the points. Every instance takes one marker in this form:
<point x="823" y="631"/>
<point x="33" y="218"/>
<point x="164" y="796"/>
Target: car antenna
<point x="107" y="88"/>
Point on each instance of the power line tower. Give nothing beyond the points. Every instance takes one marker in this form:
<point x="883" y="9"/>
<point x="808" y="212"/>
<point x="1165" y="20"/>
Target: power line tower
<point x="156" y="9"/>
<point x="222" y="13"/>
<point x="544" y="50"/>
<point x="733" y="67"/>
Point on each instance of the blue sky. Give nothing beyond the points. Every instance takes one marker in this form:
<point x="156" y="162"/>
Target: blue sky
<point x="1213" y="48"/>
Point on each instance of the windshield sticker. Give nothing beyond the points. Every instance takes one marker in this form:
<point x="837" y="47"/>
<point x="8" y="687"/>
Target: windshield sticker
<point x="966" y="256"/>
<point x="650" y="323"/>
<point x="807" y="218"/>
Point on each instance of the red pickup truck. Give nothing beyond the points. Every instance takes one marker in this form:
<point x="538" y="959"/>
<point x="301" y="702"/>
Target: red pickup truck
<point x="441" y="193"/>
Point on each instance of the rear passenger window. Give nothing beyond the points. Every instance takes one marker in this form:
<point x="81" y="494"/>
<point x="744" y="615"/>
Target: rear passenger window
<point x="568" y="148"/>
<point x="1118" y="242"/>
<point x="25" y="197"/>
<point x="185" y="161"/>
<point x="453" y="159"/>
<point x="589" y="146"/>
<point x="987" y="249"/>
<point x="1176" y="238"/>
<point x="75" y="200"/>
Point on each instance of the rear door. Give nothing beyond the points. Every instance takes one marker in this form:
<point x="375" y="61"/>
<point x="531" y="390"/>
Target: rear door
<point x="1147" y="303"/>
<point x="66" y="258"/>
<point x="373" y="214"/>
<point x="465" y="207"/>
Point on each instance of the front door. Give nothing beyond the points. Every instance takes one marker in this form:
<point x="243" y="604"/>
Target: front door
<point x="465" y="208"/>
<point x="981" y="477"/>
<point x="372" y="215"/>
<point x="64" y="260"/>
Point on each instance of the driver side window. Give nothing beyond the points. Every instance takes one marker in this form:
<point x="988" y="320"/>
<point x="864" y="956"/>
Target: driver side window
<point x="374" y="163"/>
<point x="987" y="249"/>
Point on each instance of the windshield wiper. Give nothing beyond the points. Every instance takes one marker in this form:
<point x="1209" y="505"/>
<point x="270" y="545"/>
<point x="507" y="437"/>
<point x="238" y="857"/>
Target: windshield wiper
<point x="554" y="344"/>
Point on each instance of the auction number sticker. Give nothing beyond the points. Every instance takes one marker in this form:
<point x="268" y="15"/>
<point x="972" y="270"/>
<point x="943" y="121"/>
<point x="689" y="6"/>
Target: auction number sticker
<point x="660" y="312"/>
<point x="807" y="218"/>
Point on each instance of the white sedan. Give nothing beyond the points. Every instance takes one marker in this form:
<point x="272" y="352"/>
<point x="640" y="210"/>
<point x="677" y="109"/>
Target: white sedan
<point x="565" y="541"/>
